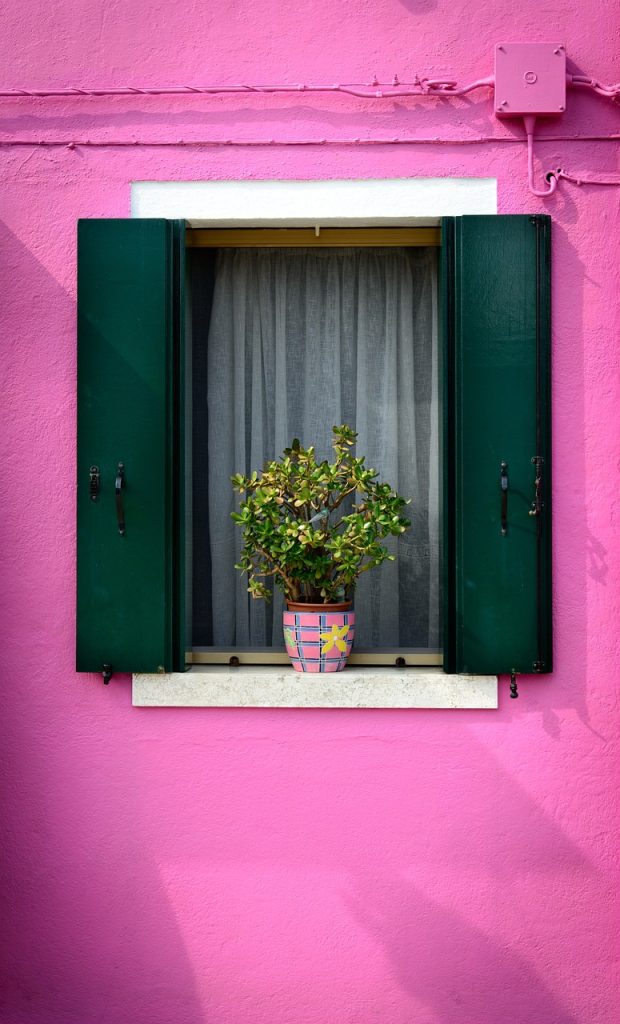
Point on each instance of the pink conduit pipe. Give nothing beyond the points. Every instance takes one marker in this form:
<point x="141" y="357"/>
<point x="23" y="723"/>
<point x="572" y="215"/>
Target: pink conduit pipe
<point x="474" y="140"/>
<point x="530" y="124"/>
<point x="580" y="179"/>
<point x="375" y="90"/>
<point x="610" y="91"/>
<point x="553" y="177"/>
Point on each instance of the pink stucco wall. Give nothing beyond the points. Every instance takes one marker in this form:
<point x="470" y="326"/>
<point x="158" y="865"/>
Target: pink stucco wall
<point x="300" y="867"/>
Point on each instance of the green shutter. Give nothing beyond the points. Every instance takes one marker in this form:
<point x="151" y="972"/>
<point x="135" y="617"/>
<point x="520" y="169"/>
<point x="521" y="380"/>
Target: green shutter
<point x="496" y="326"/>
<point x="130" y="399"/>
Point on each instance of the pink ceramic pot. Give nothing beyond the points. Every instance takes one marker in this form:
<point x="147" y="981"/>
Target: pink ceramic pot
<point x="319" y="637"/>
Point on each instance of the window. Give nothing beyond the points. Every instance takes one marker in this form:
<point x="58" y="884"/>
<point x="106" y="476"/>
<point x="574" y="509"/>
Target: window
<point x="494" y="350"/>
<point x="293" y="331"/>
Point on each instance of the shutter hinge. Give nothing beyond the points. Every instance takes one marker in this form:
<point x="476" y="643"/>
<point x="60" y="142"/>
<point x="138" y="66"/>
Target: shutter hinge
<point x="107" y="673"/>
<point x="514" y="693"/>
<point x="537" y="504"/>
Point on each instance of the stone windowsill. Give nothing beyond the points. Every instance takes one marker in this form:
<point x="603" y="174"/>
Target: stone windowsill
<point x="254" y="686"/>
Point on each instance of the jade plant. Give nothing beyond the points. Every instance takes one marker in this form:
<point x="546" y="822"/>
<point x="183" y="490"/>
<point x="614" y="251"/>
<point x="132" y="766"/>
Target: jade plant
<point x="299" y="528"/>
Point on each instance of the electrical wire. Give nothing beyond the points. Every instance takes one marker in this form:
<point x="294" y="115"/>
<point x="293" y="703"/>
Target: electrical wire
<point x="375" y="90"/>
<point x="420" y="87"/>
<point x="477" y="140"/>
<point x="581" y="180"/>
<point x="609" y="91"/>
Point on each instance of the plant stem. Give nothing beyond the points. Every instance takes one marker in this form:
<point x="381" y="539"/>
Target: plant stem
<point x="345" y="494"/>
<point x="294" y="590"/>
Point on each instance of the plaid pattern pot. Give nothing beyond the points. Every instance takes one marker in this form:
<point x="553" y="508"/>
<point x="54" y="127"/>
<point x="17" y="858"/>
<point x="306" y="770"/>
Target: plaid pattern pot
<point x="319" y="641"/>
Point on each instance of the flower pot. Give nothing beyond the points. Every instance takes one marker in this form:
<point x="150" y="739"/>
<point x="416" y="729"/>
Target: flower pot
<point x="319" y="637"/>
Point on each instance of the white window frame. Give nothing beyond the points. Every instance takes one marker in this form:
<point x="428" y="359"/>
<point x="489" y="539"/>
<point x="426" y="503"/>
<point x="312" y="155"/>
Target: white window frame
<point x="397" y="202"/>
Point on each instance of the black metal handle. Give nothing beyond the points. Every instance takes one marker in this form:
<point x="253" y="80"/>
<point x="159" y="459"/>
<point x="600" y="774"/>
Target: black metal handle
<point x="504" y="485"/>
<point x="95" y="482"/>
<point x="118" y="490"/>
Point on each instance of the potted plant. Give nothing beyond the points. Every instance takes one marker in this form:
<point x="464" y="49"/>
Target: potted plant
<point x="315" y="527"/>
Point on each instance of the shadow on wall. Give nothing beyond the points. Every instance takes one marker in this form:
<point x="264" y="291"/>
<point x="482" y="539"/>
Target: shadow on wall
<point x="412" y="829"/>
<point x="338" y="116"/>
<point x="88" y="930"/>
<point x="419" y="6"/>
<point x="88" y="933"/>
<point x="103" y="802"/>
<point x="579" y="557"/>
<point x="448" y="964"/>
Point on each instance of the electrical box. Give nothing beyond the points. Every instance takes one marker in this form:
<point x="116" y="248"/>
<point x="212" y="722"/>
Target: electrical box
<point x="530" y="78"/>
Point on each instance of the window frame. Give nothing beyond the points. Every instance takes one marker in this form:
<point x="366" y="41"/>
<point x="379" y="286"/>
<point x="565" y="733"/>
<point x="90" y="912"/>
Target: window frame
<point x="287" y="238"/>
<point x="313" y="213"/>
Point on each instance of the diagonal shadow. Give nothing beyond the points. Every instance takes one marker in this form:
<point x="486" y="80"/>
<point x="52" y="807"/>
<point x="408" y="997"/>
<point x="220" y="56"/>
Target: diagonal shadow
<point x="450" y="965"/>
<point x="88" y="931"/>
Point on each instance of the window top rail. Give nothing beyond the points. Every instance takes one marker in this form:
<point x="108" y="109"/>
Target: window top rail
<point x="240" y="238"/>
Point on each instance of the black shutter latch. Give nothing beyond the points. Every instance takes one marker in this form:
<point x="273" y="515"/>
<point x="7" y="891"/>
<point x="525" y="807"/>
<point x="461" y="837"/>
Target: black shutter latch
<point x="504" y="485"/>
<point x="118" y="491"/>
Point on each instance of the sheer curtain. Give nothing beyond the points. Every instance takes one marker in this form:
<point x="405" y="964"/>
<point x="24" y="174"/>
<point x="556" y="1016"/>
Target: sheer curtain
<point x="299" y="340"/>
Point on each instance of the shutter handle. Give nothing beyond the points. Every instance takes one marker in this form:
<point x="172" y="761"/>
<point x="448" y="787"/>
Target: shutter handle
<point x="95" y="482"/>
<point x="119" y="483"/>
<point x="503" y="479"/>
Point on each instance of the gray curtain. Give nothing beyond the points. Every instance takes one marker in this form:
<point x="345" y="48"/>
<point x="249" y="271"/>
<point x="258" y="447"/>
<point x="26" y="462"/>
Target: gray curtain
<point x="299" y="340"/>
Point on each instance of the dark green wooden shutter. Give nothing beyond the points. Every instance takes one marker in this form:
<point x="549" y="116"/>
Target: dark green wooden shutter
<point x="496" y="312"/>
<point x="130" y="411"/>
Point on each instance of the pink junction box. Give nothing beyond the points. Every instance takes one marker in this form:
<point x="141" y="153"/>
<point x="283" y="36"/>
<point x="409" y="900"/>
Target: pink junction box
<point x="530" y="78"/>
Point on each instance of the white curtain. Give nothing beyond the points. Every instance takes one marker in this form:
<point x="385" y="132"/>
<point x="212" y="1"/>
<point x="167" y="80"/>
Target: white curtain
<point x="300" y="340"/>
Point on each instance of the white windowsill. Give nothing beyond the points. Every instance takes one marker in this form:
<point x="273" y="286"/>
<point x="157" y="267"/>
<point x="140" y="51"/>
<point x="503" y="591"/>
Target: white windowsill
<point x="259" y="686"/>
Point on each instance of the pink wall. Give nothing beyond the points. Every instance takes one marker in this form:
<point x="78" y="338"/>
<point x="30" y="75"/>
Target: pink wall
<point x="300" y="867"/>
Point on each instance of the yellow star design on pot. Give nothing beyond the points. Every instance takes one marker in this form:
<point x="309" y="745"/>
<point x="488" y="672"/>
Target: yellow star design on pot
<point x="336" y="637"/>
